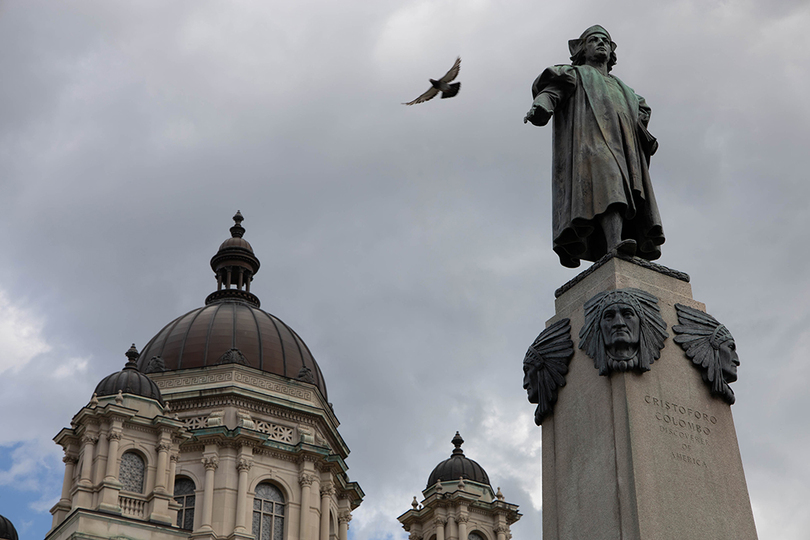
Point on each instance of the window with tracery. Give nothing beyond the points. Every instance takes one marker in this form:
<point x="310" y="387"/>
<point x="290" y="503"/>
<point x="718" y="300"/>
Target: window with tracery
<point x="184" y="496"/>
<point x="268" y="513"/>
<point x="132" y="472"/>
<point x="475" y="536"/>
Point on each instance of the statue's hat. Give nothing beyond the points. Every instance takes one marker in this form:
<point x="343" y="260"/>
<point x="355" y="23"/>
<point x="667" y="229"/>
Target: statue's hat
<point x="574" y="45"/>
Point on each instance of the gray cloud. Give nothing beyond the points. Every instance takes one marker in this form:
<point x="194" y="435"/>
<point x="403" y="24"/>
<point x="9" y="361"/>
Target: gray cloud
<point x="409" y="246"/>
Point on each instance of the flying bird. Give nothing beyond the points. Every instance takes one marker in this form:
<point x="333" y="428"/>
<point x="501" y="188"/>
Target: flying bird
<point x="442" y="85"/>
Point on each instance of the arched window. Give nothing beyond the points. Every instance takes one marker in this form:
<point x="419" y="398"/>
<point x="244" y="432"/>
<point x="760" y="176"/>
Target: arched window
<point x="268" y="513"/>
<point x="132" y="472"/>
<point x="184" y="496"/>
<point x="475" y="536"/>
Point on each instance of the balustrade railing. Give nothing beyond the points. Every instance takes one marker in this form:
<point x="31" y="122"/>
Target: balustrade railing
<point x="132" y="507"/>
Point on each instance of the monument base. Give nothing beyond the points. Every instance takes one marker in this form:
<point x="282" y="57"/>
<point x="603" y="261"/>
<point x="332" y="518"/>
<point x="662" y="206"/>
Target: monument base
<point x="640" y="456"/>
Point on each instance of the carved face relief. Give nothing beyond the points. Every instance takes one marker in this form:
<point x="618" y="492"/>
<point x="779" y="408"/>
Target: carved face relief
<point x="623" y="330"/>
<point x="711" y="348"/>
<point x="620" y="327"/>
<point x="545" y="367"/>
<point x="727" y="353"/>
<point x="531" y="389"/>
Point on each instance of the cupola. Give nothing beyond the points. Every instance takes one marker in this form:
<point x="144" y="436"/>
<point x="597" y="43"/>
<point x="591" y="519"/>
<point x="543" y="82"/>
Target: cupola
<point x="129" y="381"/>
<point x="458" y="466"/>
<point x="7" y="530"/>
<point x="231" y="327"/>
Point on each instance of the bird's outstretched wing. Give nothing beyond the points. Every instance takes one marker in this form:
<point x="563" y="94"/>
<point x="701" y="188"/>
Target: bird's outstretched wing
<point x="430" y="94"/>
<point x="453" y="73"/>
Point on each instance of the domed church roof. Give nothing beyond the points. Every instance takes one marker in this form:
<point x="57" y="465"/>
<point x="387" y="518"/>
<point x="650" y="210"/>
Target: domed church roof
<point x="231" y="328"/>
<point x="7" y="530"/>
<point x="458" y="466"/>
<point x="129" y="381"/>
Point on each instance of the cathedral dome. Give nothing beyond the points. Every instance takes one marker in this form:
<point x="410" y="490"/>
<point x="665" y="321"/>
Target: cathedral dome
<point x="458" y="466"/>
<point x="231" y="327"/>
<point x="129" y="381"/>
<point x="7" y="530"/>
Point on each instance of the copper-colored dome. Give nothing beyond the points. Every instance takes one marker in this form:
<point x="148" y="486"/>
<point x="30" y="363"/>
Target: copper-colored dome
<point x="129" y="381"/>
<point x="7" y="530"/>
<point x="205" y="336"/>
<point x="231" y="327"/>
<point x="458" y="466"/>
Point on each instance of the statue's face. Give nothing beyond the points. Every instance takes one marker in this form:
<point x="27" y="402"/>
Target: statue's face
<point x="620" y="326"/>
<point x="531" y="390"/>
<point x="729" y="360"/>
<point x="597" y="48"/>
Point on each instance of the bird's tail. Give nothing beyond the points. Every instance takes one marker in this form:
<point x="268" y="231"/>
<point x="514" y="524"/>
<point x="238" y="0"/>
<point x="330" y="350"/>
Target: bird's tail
<point x="454" y="88"/>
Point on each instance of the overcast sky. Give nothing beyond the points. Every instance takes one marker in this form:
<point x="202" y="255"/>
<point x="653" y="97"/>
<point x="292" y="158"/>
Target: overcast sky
<point x="410" y="247"/>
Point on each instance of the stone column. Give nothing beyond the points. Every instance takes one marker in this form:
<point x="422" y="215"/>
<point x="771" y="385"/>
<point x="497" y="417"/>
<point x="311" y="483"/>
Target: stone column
<point x="305" y="480"/>
<point x="102" y="456"/>
<point x="462" y="524"/>
<point x="62" y="508"/>
<point x="88" y="445"/>
<point x="111" y="487"/>
<point x="440" y="523"/>
<point x="327" y="491"/>
<point x="67" y="484"/>
<point x="502" y="531"/>
<point x="210" y="462"/>
<point x="83" y="496"/>
<point x="111" y="474"/>
<point x="343" y="521"/>
<point x="451" y="530"/>
<point x="243" y="466"/>
<point x="163" y="449"/>
<point x="172" y="471"/>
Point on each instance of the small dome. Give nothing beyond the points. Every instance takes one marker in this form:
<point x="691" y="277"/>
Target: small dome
<point x="458" y="466"/>
<point x="231" y="327"/>
<point x="129" y="381"/>
<point x="7" y="530"/>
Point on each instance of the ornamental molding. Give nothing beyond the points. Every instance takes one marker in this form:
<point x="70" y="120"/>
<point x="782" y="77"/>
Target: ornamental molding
<point x="163" y="447"/>
<point x="70" y="459"/>
<point x="244" y="464"/>
<point x="114" y="436"/>
<point x="210" y="462"/>
<point x="256" y="381"/>
<point x="305" y="479"/>
<point x="254" y="406"/>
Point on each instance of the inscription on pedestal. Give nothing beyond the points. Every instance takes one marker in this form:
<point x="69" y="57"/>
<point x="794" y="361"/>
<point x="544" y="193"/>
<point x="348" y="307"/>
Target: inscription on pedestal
<point x="687" y="429"/>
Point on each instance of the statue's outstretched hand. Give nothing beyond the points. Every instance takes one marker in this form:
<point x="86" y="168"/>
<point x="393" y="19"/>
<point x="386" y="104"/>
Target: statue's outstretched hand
<point x="537" y="116"/>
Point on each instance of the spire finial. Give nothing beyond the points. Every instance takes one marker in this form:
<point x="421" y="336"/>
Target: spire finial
<point x="457" y="442"/>
<point x="132" y="355"/>
<point x="237" y="231"/>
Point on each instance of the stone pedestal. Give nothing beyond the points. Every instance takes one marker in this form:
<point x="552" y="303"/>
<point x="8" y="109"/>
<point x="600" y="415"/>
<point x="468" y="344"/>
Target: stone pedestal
<point x="640" y="456"/>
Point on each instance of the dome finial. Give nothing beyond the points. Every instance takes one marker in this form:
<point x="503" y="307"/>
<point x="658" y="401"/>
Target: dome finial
<point x="132" y="355"/>
<point x="457" y="442"/>
<point x="237" y="231"/>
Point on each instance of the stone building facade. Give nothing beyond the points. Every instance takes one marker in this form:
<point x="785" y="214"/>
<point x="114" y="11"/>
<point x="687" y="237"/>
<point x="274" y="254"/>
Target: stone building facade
<point x="219" y="428"/>
<point x="459" y="504"/>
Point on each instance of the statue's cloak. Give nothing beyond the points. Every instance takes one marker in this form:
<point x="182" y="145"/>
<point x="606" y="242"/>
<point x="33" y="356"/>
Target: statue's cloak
<point x="601" y="156"/>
